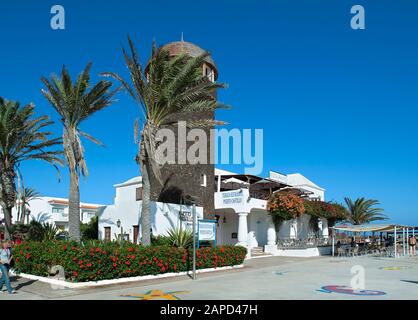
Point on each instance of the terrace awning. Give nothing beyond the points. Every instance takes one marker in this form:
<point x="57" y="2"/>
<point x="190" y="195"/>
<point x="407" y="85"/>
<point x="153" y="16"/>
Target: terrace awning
<point x="369" y="228"/>
<point x="297" y="190"/>
<point x="234" y="180"/>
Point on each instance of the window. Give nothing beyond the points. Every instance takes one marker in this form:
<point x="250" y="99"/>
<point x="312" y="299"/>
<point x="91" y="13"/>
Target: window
<point x="138" y="193"/>
<point x="207" y="71"/>
<point x="203" y="180"/>
<point x="57" y="210"/>
<point x="107" y="233"/>
<point x="86" y="215"/>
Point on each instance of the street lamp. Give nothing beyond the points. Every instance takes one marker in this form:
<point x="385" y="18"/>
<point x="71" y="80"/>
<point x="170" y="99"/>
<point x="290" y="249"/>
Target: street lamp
<point x="118" y="223"/>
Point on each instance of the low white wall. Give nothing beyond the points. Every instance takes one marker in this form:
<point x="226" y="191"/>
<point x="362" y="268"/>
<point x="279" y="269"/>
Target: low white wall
<point x="303" y="253"/>
<point x="58" y="284"/>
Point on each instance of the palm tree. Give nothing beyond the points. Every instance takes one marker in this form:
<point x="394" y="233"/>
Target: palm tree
<point x="25" y="195"/>
<point x="75" y="103"/>
<point x="21" y="138"/>
<point x="363" y="211"/>
<point x="169" y="86"/>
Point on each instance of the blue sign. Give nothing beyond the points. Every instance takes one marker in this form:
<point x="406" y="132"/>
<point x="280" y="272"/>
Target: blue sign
<point x="206" y="230"/>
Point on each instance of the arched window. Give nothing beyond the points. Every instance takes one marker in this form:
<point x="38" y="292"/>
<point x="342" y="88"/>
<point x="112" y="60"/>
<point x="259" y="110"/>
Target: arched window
<point x="207" y="71"/>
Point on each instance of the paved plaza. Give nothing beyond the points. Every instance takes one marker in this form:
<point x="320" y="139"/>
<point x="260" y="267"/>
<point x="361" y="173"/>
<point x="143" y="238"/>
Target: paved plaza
<point x="263" y="278"/>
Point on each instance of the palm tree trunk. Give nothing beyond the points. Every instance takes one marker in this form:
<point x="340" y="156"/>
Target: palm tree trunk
<point x="7" y="197"/>
<point x="22" y="209"/>
<point x="74" y="208"/>
<point x="8" y="223"/>
<point x="18" y="212"/>
<point x="146" y="209"/>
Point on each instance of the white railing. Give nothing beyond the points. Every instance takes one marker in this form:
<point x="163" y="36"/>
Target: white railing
<point x="310" y="242"/>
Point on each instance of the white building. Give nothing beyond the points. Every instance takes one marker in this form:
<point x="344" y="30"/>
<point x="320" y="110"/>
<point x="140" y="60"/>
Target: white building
<point x="127" y="209"/>
<point x="56" y="209"/>
<point x="240" y="210"/>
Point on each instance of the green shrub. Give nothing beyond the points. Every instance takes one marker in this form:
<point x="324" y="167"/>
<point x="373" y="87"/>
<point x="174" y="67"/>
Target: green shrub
<point x="160" y="241"/>
<point x="181" y="238"/>
<point x="92" y="260"/>
<point x="35" y="231"/>
<point x="50" y="231"/>
<point x="90" y="231"/>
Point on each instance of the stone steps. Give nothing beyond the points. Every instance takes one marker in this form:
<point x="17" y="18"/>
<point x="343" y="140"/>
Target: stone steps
<point x="258" y="252"/>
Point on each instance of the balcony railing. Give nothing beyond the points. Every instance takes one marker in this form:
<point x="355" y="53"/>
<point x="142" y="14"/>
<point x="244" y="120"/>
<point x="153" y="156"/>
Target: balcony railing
<point x="259" y="195"/>
<point x="310" y="242"/>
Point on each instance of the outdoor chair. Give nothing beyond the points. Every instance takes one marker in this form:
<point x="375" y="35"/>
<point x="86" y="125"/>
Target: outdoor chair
<point x="355" y="251"/>
<point x="348" y="252"/>
<point x="340" y="252"/>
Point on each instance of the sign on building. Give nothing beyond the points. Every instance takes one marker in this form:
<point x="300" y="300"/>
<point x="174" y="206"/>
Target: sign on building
<point x="206" y="230"/>
<point x="232" y="197"/>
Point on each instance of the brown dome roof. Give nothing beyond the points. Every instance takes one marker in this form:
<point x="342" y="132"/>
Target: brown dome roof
<point x="177" y="47"/>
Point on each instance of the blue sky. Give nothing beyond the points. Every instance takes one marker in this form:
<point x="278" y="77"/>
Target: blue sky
<point x="337" y="105"/>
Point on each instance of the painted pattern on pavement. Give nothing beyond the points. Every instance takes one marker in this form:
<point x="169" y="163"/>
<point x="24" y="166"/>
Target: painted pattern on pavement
<point x="156" y="295"/>
<point x="349" y="290"/>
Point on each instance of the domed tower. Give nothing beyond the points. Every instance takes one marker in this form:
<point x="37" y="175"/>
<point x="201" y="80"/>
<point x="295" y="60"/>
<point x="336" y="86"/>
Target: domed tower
<point x="183" y="180"/>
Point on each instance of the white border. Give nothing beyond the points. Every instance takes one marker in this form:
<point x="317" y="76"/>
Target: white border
<point x="87" y="284"/>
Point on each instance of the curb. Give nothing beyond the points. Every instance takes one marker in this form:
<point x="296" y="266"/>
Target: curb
<point x="88" y="284"/>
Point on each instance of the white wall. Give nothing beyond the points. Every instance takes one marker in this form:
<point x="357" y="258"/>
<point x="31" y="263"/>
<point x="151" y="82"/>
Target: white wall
<point x="258" y="227"/>
<point x="128" y="210"/>
<point x="304" y="229"/>
<point x="225" y="230"/>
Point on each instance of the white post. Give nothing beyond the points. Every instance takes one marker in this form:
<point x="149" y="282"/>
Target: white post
<point x="271" y="233"/>
<point x="293" y="232"/>
<point x="403" y="241"/>
<point x="271" y="246"/>
<point x="194" y="241"/>
<point x="242" y="229"/>
<point x="333" y="244"/>
<point x="394" y="235"/>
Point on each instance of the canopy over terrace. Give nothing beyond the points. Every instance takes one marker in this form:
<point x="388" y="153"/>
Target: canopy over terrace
<point x="369" y="228"/>
<point x="389" y="228"/>
<point x="260" y="188"/>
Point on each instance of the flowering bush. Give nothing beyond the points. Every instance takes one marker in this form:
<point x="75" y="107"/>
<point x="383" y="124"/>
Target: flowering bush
<point x="326" y="210"/>
<point x="285" y="206"/>
<point x="108" y="260"/>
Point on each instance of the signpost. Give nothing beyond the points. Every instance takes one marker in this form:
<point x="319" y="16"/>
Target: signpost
<point x="194" y="241"/>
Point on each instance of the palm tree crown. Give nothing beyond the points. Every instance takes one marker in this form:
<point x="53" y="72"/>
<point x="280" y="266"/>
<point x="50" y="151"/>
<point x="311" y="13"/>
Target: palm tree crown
<point x="363" y="211"/>
<point x="21" y="138"/>
<point x="75" y="103"/>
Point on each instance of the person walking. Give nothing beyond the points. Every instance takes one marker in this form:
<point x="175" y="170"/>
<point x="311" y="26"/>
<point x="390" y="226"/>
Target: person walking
<point x="412" y="241"/>
<point x="5" y="260"/>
